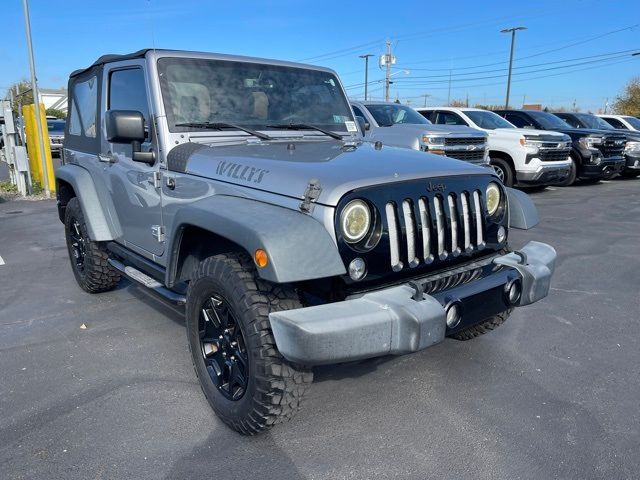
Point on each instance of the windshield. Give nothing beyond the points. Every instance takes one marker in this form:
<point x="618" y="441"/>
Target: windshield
<point x="250" y="94"/>
<point x="548" y="121"/>
<point x="56" y="127"/>
<point x="488" y="120"/>
<point x="591" y="121"/>
<point x="635" y="122"/>
<point x="387" y="115"/>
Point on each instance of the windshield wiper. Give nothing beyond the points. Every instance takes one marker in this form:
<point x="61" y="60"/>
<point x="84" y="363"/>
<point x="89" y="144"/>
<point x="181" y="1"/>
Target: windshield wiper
<point x="306" y="126"/>
<point x="223" y="126"/>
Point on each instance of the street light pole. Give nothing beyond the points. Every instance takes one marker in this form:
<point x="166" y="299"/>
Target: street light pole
<point x="36" y="98"/>
<point x="513" y="31"/>
<point x="366" y="72"/>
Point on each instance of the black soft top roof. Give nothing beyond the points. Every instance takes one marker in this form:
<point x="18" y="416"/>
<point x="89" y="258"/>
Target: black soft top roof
<point x="111" y="58"/>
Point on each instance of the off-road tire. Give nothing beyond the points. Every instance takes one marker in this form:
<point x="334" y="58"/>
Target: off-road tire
<point x="573" y="173"/>
<point x="508" y="176"/>
<point x="275" y="387"/>
<point x="483" y="327"/>
<point x="96" y="275"/>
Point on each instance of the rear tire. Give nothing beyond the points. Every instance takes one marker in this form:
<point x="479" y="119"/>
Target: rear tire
<point x="504" y="171"/>
<point x="88" y="258"/>
<point x="247" y="382"/>
<point x="483" y="327"/>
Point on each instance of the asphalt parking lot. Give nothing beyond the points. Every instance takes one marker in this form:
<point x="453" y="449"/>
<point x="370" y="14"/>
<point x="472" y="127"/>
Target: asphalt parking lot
<point x="554" y="393"/>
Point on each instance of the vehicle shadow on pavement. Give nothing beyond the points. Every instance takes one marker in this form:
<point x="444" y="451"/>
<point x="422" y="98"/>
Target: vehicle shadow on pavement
<point x="221" y="452"/>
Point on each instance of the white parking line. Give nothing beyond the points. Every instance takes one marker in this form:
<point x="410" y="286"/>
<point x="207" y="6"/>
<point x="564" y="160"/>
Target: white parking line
<point x="1" y="261"/>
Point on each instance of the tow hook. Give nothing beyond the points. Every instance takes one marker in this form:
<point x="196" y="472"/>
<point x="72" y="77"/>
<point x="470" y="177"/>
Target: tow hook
<point x="418" y="293"/>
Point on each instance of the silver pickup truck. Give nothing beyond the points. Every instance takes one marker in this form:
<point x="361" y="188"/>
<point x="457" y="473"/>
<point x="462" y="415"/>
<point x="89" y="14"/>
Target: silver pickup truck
<point x="401" y="126"/>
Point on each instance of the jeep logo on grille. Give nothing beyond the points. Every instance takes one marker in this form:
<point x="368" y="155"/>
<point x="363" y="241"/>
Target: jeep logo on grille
<point x="436" y="187"/>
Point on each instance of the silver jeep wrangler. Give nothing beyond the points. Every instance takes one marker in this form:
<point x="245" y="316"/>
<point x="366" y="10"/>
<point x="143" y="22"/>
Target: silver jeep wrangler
<point x="243" y="189"/>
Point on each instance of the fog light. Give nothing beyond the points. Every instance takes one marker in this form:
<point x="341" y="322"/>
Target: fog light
<point x="513" y="292"/>
<point x="453" y="315"/>
<point x="502" y="234"/>
<point x="357" y="269"/>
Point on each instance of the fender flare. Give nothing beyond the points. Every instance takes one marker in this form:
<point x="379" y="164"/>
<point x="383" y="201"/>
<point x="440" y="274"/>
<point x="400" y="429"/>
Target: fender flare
<point x="523" y="214"/>
<point x="100" y="225"/>
<point x="298" y="246"/>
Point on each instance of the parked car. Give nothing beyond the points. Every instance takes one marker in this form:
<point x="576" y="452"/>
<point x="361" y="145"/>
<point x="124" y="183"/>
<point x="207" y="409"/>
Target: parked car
<point x="401" y="126"/>
<point x="242" y="188"/>
<point x="622" y="122"/>
<point x="595" y="154"/>
<point x="56" y="135"/>
<point x="632" y="148"/>
<point x="519" y="156"/>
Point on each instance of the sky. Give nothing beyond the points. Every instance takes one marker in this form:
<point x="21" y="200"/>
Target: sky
<point x="574" y="52"/>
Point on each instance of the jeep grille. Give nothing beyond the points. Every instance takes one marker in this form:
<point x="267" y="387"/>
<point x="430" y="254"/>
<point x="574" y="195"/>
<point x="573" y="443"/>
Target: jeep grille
<point x="448" y="225"/>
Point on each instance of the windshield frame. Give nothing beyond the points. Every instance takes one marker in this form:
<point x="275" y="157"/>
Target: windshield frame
<point x="489" y="114"/>
<point x="343" y="119"/>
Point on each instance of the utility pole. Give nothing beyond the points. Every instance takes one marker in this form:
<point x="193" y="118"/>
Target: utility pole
<point x="524" y="99"/>
<point x="606" y="105"/>
<point x="425" y="99"/>
<point x="388" y="60"/>
<point x="449" y="94"/>
<point x="467" y="102"/>
<point x="513" y="31"/>
<point x="366" y="73"/>
<point x="36" y="98"/>
<point x="574" y="105"/>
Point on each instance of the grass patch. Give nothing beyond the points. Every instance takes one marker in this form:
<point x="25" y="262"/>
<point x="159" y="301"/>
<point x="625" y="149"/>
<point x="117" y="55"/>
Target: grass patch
<point x="8" y="187"/>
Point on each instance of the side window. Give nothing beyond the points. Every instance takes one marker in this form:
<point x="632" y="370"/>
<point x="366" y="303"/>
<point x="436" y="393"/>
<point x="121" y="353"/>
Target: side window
<point x="615" y="123"/>
<point x="450" y="118"/>
<point x="358" y="112"/>
<point x="127" y="91"/>
<point x="518" y="121"/>
<point x="571" y="121"/>
<point x="83" y="116"/>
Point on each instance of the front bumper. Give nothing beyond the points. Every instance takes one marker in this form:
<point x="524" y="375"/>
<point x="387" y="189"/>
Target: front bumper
<point x="605" y="169"/>
<point x="545" y="174"/>
<point x="402" y="319"/>
<point x="632" y="162"/>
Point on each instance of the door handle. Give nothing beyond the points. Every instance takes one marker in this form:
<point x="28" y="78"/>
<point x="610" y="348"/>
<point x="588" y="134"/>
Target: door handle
<point x="106" y="158"/>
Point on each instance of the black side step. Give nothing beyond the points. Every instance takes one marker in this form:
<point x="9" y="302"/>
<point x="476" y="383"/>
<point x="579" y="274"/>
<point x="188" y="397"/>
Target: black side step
<point x="145" y="280"/>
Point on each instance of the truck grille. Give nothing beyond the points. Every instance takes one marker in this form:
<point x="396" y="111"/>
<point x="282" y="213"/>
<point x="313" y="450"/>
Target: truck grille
<point x="436" y="229"/>
<point x="464" y="141"/>
<point x="554" y="155"/>
<point x="612" y="147"/>
<point x="469" y="156"/>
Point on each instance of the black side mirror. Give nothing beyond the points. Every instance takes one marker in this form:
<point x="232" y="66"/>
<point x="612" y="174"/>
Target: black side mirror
<point x="127" y="126"/>
<point x="364" y="125"/>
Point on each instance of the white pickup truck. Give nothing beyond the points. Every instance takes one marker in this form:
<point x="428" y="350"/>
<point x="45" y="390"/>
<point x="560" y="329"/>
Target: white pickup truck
<point x="518" y="155"/>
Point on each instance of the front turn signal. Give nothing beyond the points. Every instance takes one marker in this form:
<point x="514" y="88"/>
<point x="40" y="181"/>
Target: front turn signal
<point x="261" y="258"/>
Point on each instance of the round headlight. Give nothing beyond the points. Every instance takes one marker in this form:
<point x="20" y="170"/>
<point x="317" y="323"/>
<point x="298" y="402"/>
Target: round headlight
<point x="355" y="221"/>
<point x="492" y="196"/>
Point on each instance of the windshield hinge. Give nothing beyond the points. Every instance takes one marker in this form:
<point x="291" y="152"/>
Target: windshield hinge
<point x="157" y="180"/>
<point x="311" y="194"/>
<point x="158" y="232"/>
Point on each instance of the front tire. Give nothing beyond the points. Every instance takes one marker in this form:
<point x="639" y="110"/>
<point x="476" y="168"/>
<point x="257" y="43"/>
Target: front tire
<point x="504" y="171"/>
<point x="573" y="174"/>
<point x="247" y="382"/>
<point x="483" y="327"/>
<point x="89" y="259"/>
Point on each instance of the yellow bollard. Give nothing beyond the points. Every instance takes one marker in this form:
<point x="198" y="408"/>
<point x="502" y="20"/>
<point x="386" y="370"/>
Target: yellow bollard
<point x="33" y="146"/>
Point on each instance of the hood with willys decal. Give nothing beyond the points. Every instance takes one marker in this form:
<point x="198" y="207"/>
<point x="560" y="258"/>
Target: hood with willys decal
<point x="286" y="168"/>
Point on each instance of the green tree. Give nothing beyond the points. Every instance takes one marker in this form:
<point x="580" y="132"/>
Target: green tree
<point x="628" y="102"/>
<point x="22" y="94"/>
<point x="54" y="112"/>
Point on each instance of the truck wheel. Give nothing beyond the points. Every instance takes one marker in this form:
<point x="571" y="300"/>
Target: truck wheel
<point x="573" y="173"/>
<point x="247" y="382"/>
<point x="483" y="327"/>
<point x="88" y="258"/>
<point x="504" y="171"/>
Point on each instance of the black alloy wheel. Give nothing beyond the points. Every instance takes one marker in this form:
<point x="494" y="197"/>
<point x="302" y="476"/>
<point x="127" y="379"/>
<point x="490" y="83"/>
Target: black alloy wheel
<point x="77" y="244"/>
<point x="223" y="348"/>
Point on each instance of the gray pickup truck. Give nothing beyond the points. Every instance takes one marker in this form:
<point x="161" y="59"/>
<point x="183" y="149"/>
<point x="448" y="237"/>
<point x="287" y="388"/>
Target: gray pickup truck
<point x="401" y="126"/>
<point x="241" y="188"/>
